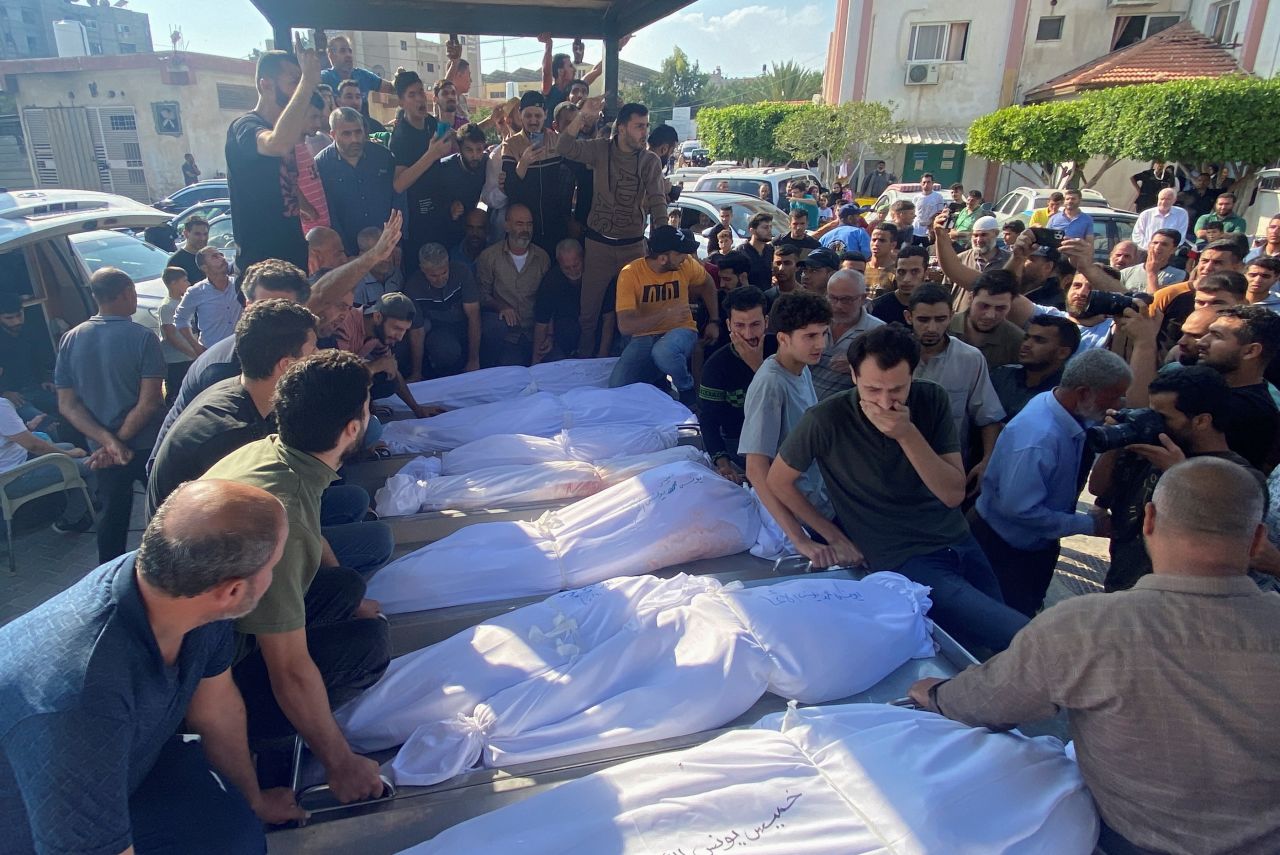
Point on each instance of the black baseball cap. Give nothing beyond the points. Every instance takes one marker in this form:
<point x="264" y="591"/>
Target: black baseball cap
<point x="821" y="258"/>
<point x="671" y="239"/>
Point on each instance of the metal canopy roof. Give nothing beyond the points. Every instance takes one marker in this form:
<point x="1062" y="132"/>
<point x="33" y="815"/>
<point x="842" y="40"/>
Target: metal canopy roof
<point x="588" y="19"/>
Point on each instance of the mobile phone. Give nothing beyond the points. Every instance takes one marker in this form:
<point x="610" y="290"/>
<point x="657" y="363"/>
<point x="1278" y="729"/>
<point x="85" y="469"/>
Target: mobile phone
<point x="537" y="138"/>
<point x="442" y="130"/>
<point x="1051" y="238"/>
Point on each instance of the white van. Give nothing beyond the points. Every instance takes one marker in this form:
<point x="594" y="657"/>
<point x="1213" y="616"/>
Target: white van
<point x="1260" y="201"/>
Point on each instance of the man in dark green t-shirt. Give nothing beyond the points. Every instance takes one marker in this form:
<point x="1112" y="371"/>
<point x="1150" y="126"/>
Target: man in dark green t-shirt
<point x="890" y="458"/>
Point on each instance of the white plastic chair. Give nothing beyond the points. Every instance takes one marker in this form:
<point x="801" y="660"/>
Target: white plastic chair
<point x="9" y="505"/>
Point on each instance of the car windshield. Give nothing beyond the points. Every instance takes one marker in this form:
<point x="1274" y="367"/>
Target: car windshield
<point x="108" y="249"/>
<point x="746" y="209"/>
<point x="749" y="186"/>
<point x="221" y="233"/>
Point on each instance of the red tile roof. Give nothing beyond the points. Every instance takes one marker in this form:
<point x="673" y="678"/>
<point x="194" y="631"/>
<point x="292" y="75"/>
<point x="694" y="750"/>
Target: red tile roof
<point x="1177" y="53"/>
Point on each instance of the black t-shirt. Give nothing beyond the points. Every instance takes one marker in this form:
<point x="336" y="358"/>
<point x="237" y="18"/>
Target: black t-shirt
<point x="220" y="420"/>
<point x="1010" y="383"/>
<point x="264" y="197"/>
<point x="887" y="308"/>
<point x="559" y="302"/>
<point x="808" y="242"/>
<point x="761" y="272"/>
<point x="409" y="144"/>
<point x="553" y="98"/>
<point x="1252" y="423"/>
<point x="187" y="261"/>
<point x="1150" y="185"/>
<point x="443" y="306"/>
<point x="25" y="362"/>
<point x="439" y="187"/>
<point x="722" y="395"/>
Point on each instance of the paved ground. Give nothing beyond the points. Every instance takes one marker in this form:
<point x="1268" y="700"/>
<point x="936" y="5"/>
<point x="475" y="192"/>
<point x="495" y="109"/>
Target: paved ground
<point x="49" y="562"/>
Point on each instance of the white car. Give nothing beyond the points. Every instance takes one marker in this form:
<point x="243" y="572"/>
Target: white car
<point x="1021" y="202"/>
<point x="51" y="242"/>
<point x="701" y="211"/>
<point x="749" y="181"/>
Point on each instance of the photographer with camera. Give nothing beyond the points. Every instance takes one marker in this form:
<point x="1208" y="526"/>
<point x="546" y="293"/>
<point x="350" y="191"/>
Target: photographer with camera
<point x="1188" y="415"/>
<point x="1030" y="488"/>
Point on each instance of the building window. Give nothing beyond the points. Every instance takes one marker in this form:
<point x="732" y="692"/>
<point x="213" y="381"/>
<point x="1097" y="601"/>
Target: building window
<point x="33" y="46"/>
<point x="1222" y="22"/>
<point x="122" y="29"/>
<point x="404" y="45"/>
<point x="28" y="16"/>
<point x="95" y="49"/>
<point x="431" y="67"/>
<point x="128" y="48"/>
<point x="91" y="24"/>
<point x="1135" y="28"/>
<point x="125" y="123"/>
<point x="462" y="40"/>
<point x="938" y="42"/>
<point x="1050" y="28"/>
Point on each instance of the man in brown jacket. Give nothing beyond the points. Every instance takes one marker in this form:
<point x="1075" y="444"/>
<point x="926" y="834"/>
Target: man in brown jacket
<point x="628" y="186"/>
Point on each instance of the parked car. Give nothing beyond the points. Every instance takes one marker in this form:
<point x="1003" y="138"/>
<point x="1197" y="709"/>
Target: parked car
<point x="1109" y="228"/>
<point x="209" y="210"/>
<point x="1261" y="198"/>
<point x="1021" y="202"/>
<point x="201" y="191"/>
<point x="51" y="242"/>
<point x="223" y="237"/>
<point x="686" y="176"/>
<point x="749" y="181"/>
<point x="892" y="193"/>
<point x="700" y="211"/>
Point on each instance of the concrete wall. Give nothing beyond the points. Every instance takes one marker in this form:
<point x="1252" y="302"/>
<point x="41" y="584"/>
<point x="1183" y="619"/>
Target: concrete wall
<point x="204" y="123"/>
<point x="110" y="30"/>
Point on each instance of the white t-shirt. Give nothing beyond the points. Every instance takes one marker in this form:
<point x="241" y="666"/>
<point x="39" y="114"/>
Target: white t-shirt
<point x="12" y="455"/>
<point x="519" y="261"/>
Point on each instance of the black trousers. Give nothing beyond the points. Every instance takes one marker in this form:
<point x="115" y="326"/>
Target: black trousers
<point x="1024" y="575"/>
<point x="351" y="653"/>
<point x="175" y="373"/>
<point x="115" y="489"/>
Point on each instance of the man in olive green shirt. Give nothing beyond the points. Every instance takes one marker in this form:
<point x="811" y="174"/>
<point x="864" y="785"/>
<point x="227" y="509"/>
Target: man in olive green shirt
<point x="313" y="642"/>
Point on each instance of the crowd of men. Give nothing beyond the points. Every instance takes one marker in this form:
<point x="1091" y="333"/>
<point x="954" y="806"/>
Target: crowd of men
<point x="927" y="395"/>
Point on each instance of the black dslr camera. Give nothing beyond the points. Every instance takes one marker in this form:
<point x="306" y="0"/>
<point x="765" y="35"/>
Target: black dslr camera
<point x="1112" y="303"/>
<point x="1132" y="426"/>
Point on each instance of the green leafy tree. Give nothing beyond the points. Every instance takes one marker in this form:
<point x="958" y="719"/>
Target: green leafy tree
<point x="1043" y="136"/>
<point x="1220" y="120"/>
<point x="680" y="83"/>
<point x="787" y="82"/>
<point x="744" y="131"/>
<point x="817" y="131"/>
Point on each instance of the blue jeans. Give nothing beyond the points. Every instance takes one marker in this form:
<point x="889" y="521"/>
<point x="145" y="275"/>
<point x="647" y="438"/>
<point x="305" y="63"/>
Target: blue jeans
<point x="46" y="476"/>
<point x="669" y="353"/>
<point x="966" y="595"/>
<point x="362" y="546"/>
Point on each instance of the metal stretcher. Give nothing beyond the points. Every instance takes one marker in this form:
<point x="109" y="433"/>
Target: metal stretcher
<point x="409" y="815"/>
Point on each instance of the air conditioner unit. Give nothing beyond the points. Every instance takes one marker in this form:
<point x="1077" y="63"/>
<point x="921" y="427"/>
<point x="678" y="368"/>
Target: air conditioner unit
<point x="920" y="73"/>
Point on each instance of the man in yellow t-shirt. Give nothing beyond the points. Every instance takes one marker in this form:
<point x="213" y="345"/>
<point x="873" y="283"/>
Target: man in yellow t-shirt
<point x="1041" y="217"/>
<point x="653" y="309"/>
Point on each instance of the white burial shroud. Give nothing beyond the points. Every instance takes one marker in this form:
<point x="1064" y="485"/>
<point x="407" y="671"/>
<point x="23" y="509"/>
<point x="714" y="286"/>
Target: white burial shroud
<point x="861" y="779"/>
<point x="539" y="414"/>
<point x="505" y="486"/>
<point x="586" y="444"/>
<point x="632" y="660"/>
<point x="674" y="513"/>
<point x="506" y="382"/>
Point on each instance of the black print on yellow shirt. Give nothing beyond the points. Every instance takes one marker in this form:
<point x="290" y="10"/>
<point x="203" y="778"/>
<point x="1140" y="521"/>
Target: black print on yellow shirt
<point x="660" y="292"/>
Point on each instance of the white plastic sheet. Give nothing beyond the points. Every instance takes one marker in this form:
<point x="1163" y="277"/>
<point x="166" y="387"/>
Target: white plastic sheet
<point x="862" y="779"/>
<point x="632" y="660"/>
<point x="505" y="382"/>
<point x="589" y="444"/>
<point x="506" y="486"/>
<point x="677" y="512"/>
<point x="539" y="414"/>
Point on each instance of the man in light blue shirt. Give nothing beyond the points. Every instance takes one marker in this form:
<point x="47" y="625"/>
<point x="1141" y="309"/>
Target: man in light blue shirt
<point x="851" y="236"/>
<point x="343" y="64"/>
<point x="1030" y="488"/>
<point x="213" y="304"/>
<point x="1073" y="222"/>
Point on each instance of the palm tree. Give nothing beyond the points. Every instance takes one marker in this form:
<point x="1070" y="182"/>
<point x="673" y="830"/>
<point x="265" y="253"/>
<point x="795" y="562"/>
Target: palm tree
<point x="788" y="82"/>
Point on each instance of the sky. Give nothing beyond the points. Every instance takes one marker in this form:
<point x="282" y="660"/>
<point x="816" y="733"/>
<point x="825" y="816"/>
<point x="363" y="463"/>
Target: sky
<point x="713" y="32"/>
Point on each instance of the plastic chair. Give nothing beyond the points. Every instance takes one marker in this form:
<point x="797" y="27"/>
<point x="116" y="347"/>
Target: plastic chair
<point x="9" y="505"/>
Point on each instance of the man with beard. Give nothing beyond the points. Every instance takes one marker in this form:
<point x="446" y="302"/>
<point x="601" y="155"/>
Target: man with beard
<point x="95" y="684"/>
<point x="556" y="308"/>
<point x="1124" y="254"/>
<point x="1049" y="343"/>
<point x="445" y="336"/>
<point x="446" y="105"/>
<point x="985" y="324"/>
<point x="784" y="273"/>
<point x="958" y="368"/>
<point x="798" y="237"/>
<point x="847" y="293"/>
<point x="384" y="277"/>
<point x="452" y="187"/>
<point x="358" y="178"/>
<point x="348" y="95"/>
<point x="373" y="337"/>
<point x="1157" y="270"/>
<point x="911" y="265"/>
<point x="759" y="251"/>
<point x="509" y="274"/>
<point x="196" y="233"/>
<point x="313" y="642"/>
<point x="1238" y="345"/>
<point x="984" y="253"/>
<point x="817" y="268"/>
<point x="342" y="66"/>
<point x="475" y="239"/>
<point x="534" y="175"/>
<point x="419" y="142"/>
<point x="727" y="375"/>
<point x="261" y="166"/>
<point x="560" y="70"/>
<point x="1029" y="491"/>
<point x="1224" y="209"/>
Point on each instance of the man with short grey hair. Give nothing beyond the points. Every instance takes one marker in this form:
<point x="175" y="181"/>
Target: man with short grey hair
<point x="1164" y="685"/>
<point x="212" y="304"/>
<point x="847" y="294"/>
<point x="445" y="338"/>
<point x="358" y="177"/>
<point x="1030" y="487"/>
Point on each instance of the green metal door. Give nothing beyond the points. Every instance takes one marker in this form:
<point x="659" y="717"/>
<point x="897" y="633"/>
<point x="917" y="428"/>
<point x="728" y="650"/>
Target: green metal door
<point x="946" y="162"/>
